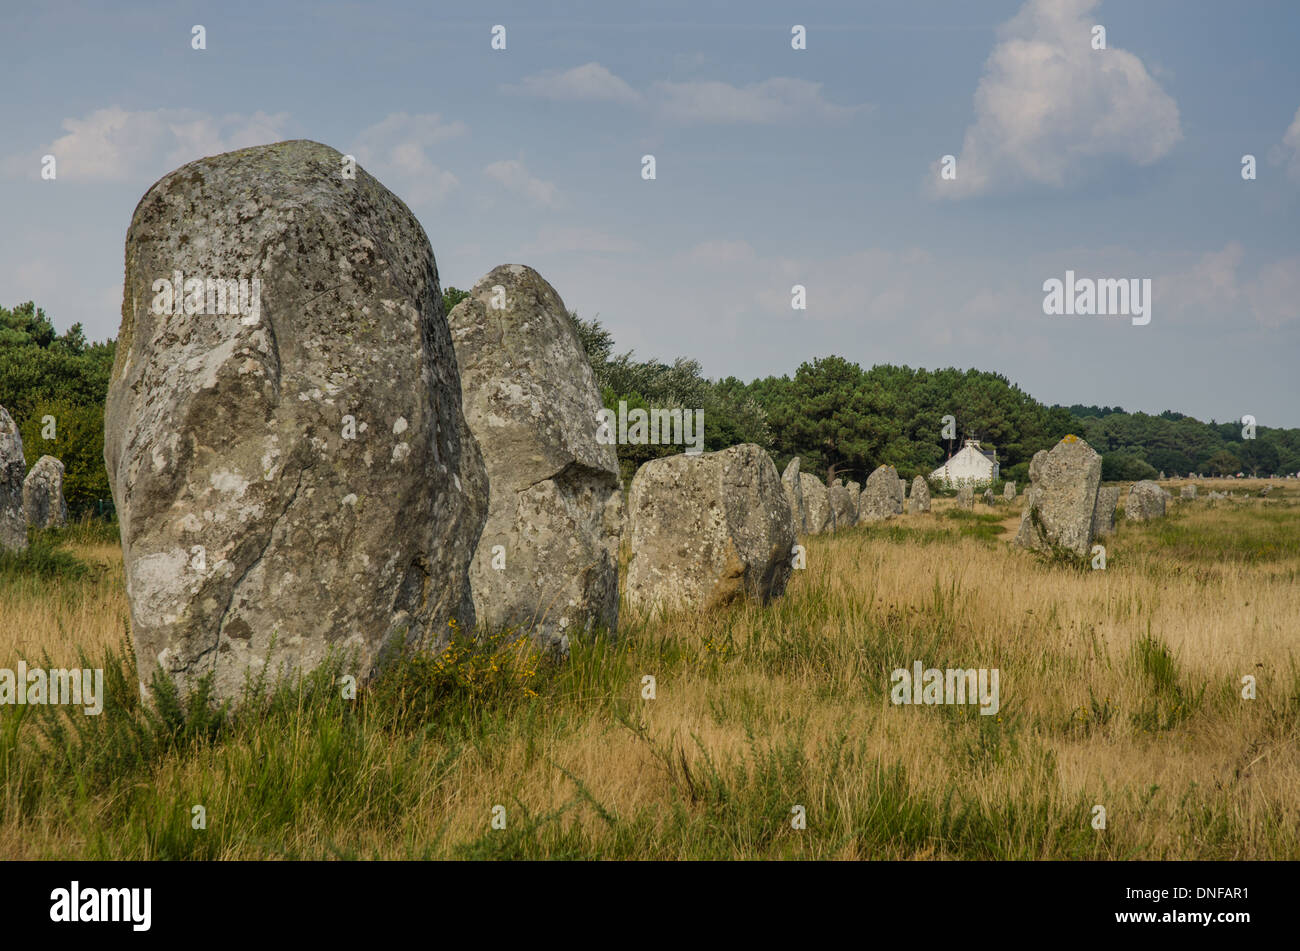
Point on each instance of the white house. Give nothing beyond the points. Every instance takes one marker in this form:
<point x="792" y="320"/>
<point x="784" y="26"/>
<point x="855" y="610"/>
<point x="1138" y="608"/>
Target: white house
<point x="971" y="466"/>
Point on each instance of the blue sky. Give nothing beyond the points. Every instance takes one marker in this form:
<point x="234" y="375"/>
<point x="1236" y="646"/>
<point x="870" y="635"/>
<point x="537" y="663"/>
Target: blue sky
<point x="774" y="167"/>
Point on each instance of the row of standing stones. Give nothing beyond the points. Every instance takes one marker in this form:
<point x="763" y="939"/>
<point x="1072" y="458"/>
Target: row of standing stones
<point x="32" y="498"/>
<point x="1066" y="506"/>
<point x="362" y="472"/>
<point x="817" y="508"/>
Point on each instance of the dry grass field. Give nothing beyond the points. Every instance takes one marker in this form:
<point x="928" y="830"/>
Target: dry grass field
<point x="1120" y="688"/>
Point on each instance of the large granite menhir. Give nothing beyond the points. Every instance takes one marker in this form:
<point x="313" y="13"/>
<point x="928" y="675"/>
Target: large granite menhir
<point x="818" y="511"/>
<point x="289" y="459"/>
<point x="547" y="561"/>
<point x="708" y="529"/>
<point x="43" y="502"/>
<point x="1062" y="498"/>
<point x="919" y="500"/>
<point x="882" y="496"/>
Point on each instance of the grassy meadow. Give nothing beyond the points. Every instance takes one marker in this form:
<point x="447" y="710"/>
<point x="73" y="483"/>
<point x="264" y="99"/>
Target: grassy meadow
<point x="1119" y="688"/>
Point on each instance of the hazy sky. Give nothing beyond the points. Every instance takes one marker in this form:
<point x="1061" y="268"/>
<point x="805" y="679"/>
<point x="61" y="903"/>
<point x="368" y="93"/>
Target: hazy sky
<point x="774" y="167"/>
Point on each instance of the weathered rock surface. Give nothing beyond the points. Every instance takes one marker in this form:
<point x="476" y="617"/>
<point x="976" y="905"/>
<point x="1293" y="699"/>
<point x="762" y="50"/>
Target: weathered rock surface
<point x="1009" y="491"/>
<point x="920" y="498"/>
<point x="708" y="529"/>
<point x="817" y="508"/>
<point x="965" y="497"/>
<point x="547" y="560"/>
<point x="1103" y="513"/>
<point x="1060" y="502"/>
<point x="855" y="498"/>
<point x="846" y="515"/>
<point x="296" y="468"/>
<point x="1145" y="501"/>
<point x="1188" y="492"/>
<point x="793" y="484"/>
<point x="882" y="496"/>
<point x="43" y="502"/>
<point x="988" y="497"/>
<point x="13" y="469"/>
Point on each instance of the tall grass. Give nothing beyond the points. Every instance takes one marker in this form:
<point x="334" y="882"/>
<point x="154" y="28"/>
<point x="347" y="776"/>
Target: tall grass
<point x="1119" y="687"/>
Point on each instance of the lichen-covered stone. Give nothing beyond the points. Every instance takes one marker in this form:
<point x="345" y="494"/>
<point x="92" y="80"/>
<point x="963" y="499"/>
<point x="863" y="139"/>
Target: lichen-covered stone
<point x="817" y="508"/>
<point x="793" y="483"/>
<point x="965" y="497"/>
<point x="988" y="497"/>
<point x="1009" y="491"/>
<point x="882" y="496"/>
<point x="13" y="469"/>
<point x="547" y="558"/>
<point x="1188" y="492"/>
<point x="708" y="529"/>
<point x="841" y="499"/>
<point x="1062" y="498"/>
<point x="43" y="502"/>
<point x="1103" y="514"/>
<point x="920" y="498"/>
<point x="298" y="471"/>
<point x="1145" y="501"/>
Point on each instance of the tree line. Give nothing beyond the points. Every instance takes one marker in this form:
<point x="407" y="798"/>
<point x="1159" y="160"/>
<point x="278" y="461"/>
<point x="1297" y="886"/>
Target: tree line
<point x="841" y="420"/>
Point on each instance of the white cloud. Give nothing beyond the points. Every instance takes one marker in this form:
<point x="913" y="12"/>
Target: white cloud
<point x="1219" y="290"/>
<point x="770" y="101"/>
<point x="773" y="100"/>
<point x="514" y="175"/>
<point x="1049" y="104"/>
<point x="397" y="147"/>
<point x="590" y="82"/>
<point x="1288" y="153"/>
<point x="118" y="145"/>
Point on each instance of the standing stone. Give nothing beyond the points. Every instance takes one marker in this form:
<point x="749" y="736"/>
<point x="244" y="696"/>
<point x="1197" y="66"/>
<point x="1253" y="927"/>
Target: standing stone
<point x="920" y="500"/>
<point x="1103" y="513"/>
<point x="1162" y="474"/>
<point x="965" y="497"/>
<point x="1146" y="501"/>
<point x="1265" y="491"/>
<point x="1188" y="492"/>
<point x="1009" y="491"/>
<point x="846" y="514"/>
<point x="43" y="503"/>
<point x="547" y="561"/>
<point x="708" y="529"/>
<point x="1062" y="498"/>
<point x="855" y="499"/>
<point x="882" y="496"/>
<point x="819" y="515"/>
<point x="794" y="492"/>
<point x="989" y="499"/>
<point x="13" y="467"/>
<point x="289" y="460"/>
